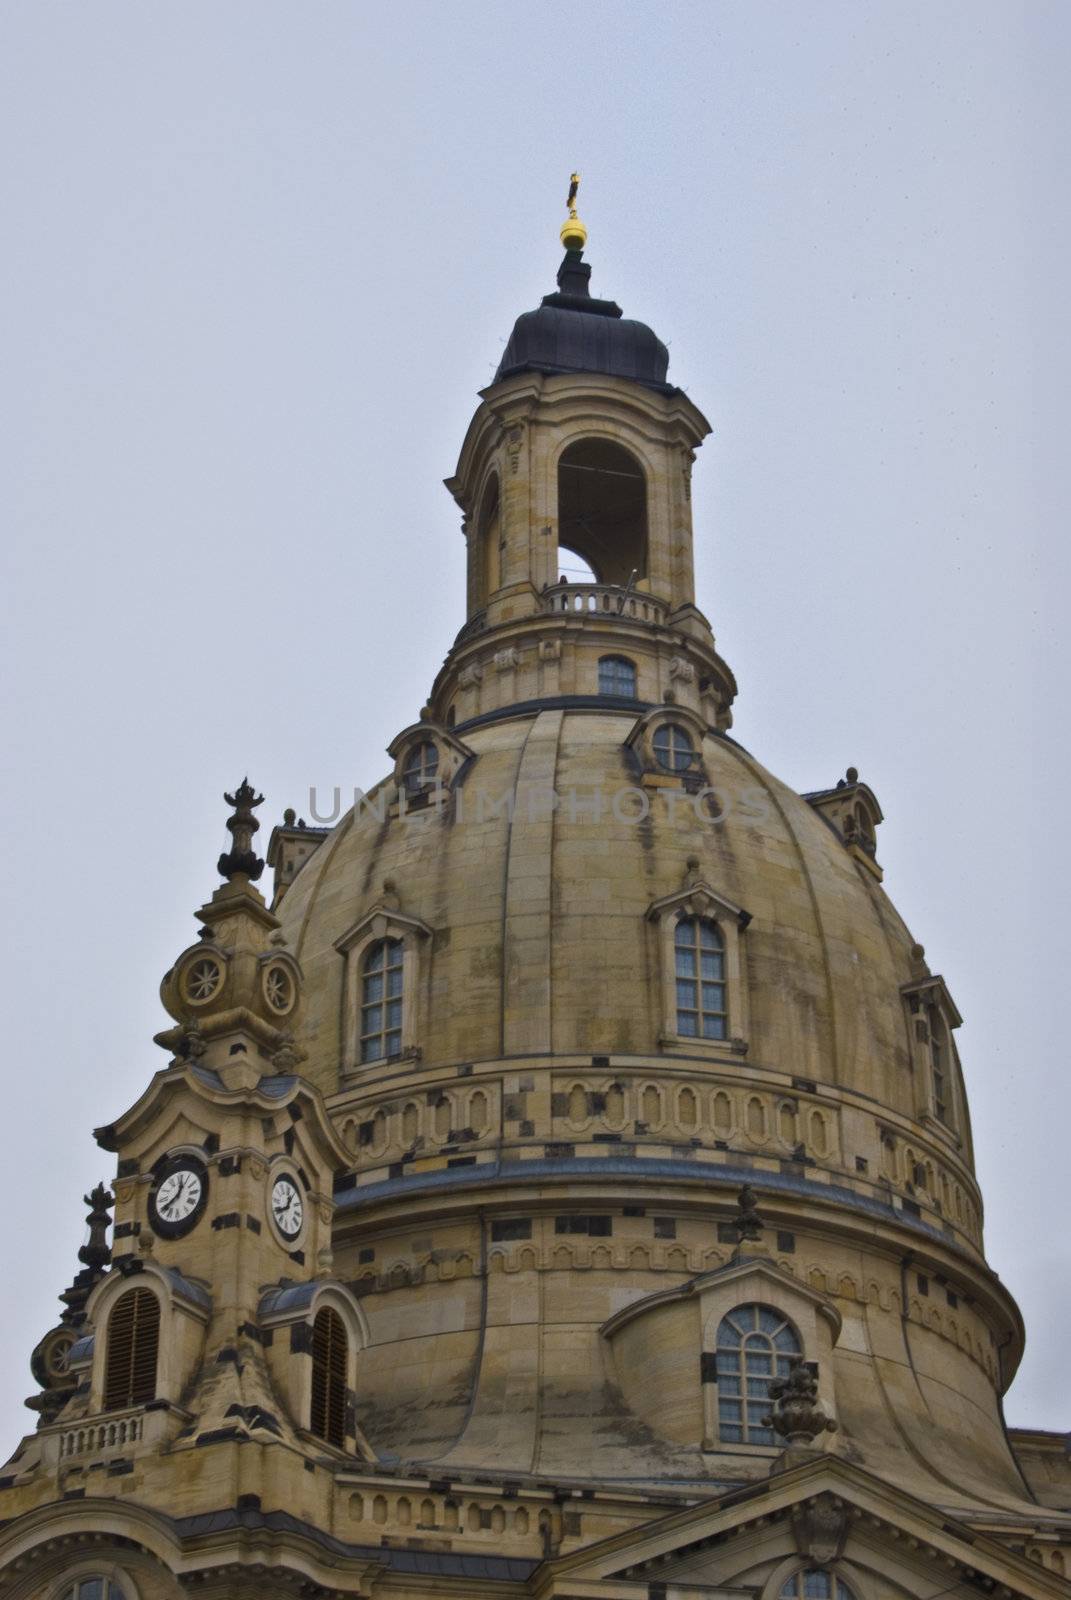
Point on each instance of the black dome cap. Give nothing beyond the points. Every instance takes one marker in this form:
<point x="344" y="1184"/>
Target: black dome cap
<point x="572" y="332"/>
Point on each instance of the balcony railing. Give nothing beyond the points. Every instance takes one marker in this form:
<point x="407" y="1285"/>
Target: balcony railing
<point x="607" y="600"/>
<point x="98" y="1437"/>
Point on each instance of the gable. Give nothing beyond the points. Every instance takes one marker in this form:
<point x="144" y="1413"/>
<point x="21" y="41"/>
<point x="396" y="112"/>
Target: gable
<point x="822" y="1513"/>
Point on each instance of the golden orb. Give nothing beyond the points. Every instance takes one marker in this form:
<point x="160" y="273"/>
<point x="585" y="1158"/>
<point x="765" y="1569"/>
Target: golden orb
<point x="574" y="235"/>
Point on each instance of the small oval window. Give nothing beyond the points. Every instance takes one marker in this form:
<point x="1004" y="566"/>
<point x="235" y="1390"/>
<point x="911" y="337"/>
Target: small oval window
<point x="673" y="747"/>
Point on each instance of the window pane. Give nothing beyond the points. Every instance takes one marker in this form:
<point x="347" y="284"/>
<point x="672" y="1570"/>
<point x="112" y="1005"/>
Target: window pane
<point x="373" y="1019"/>
<point x="685" y="934"/>
<point x="759" y="1388"/>
<point x="686" y="963"/>
<point x="759" y="1363"/>
<point x="394" y="981"/>
<point x="376" y="959"/>
<point x="713" y="966"/>
<point x="91" y="1589"/>
<point x="373" y="987"/>
<point x="784" y="1366"/>
<point x="730" y="1410"/>
<point x="728" y="1334"/>
<point x="713" y="997"/>
<point x="785" y="1340"/>
<point x="713" y="1027"/>
<point x="371" y="1050"/>
<point x="816" y="1585"/>
<point x="686" y="1024"/>
<point x="731" y="1434"/>
<point x="727" y="1361"/>
<point x="769" y="1321"/>
<point x="709" y="937"/>
<point x="394" y="1044"/>
<point x="729" y="1386"/>
<point x="686" y="995"/>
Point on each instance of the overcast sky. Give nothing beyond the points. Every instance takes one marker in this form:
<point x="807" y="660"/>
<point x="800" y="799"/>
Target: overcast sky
<point x="259" y="258"/>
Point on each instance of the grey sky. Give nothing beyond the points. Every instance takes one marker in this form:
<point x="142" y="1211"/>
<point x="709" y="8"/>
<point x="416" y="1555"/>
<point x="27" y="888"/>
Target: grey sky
<point x="258" y="260"/>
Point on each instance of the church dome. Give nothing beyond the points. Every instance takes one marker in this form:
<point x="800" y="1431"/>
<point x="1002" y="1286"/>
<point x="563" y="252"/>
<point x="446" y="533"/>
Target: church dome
<point x="571" y="331"/>
<point x="579" y="967"/>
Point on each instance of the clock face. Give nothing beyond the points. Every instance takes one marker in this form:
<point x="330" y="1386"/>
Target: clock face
<point x="287" y="1207"/>
<point x="178" y="1199"/>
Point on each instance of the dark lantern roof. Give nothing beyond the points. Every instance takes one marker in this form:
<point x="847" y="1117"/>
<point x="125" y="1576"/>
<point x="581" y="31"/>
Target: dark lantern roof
<point x="573" y="332"/>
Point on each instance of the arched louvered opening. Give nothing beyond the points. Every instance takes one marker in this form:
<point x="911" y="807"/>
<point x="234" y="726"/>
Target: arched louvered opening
<point x="489" y="544"/>
<point x="602" y="511"/>
<point x="330" y="1356"/>
<point x="133" y="1350"/>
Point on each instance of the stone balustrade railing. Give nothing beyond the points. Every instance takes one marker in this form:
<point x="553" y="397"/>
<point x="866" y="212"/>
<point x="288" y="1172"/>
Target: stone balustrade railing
<point x="604" y="600"/>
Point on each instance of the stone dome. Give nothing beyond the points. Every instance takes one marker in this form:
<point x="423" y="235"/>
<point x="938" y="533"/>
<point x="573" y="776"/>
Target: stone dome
<point x="827" y="952"/>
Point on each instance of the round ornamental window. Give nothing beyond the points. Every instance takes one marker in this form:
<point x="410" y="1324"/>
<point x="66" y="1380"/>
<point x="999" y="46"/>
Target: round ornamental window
<point x="58" y="1355"/>
<point x="673" y="747"/>
<point x="202" y="980"/>
<point x="279" y="989"/>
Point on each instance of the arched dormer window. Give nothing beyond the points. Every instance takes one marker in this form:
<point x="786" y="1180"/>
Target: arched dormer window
<point x="421" y="767"/>
<point x="381" y="1001"/>
<point x="673" y="747"/>
<point x="94" y="1587"/>
<point x="754" y="1346"/>
<point x="602" y="510"/>
<point x="330" y="1362"/>
<point x="814" y="1583"/>
<point x="133" y="1350"/>
<point x="699" y="961"/>
<point x="617" y="676"/>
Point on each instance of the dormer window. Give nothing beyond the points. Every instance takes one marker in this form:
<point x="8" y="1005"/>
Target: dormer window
<point x="932" y="1015"/>
<point x="673" y="747"/>
<point x="755" y="1345"/>
<point x="381" y="1001"/>
<point x="617" y="676"/>
<point x="421" y="768"/>
<point x="699" y="962"/>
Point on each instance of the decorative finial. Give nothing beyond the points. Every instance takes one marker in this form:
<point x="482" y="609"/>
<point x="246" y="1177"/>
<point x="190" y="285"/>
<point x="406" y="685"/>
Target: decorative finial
<point x="574" y="235"/>
<point x="796" y="1414"/>
<point x="242" y="826"/>
<point x="96" y="1252"/>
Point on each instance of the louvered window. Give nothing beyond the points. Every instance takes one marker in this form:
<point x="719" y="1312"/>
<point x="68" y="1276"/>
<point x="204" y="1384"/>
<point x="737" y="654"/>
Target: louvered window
<point x="133" y="1347"/>
<point x="329" y="1362"/>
